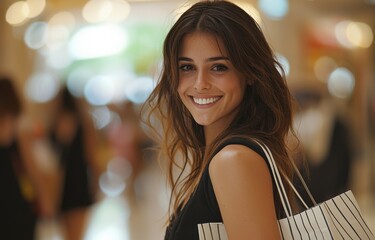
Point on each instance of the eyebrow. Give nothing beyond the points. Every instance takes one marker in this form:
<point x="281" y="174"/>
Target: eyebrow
<point x="212" y="59"/>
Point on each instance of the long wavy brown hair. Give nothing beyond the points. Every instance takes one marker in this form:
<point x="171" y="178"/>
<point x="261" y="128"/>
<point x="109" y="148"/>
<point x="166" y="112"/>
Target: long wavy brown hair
<point x="265" y="112"/>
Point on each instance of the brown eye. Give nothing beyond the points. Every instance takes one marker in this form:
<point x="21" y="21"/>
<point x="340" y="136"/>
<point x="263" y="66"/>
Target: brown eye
<point x="220" y="68"/>
<point x="186" y="67"/>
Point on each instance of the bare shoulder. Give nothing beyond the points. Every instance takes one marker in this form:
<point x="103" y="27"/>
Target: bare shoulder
<point x="243" y="188"/>
<point x="237" y="169"/>
<point x="236" y="157"/>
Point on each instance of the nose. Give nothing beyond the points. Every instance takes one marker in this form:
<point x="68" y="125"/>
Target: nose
<point x="201" y="82"/>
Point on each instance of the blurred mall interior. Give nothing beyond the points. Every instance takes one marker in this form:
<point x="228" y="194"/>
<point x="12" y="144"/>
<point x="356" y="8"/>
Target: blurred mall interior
<point x="108" y="55"/>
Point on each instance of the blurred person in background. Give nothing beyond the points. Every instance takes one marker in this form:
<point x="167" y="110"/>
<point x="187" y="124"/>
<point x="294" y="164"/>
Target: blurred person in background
<point x="325" y="144"/>
<point x="18" y="173"/>
<point x="73" y="139"/>
<point x="127" y="140"/>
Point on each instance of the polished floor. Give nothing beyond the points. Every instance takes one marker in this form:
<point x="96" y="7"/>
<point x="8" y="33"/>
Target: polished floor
<point x="142" y="216"/>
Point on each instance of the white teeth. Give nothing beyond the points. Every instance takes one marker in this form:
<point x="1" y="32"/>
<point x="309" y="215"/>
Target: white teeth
<point x="203" y="101"/>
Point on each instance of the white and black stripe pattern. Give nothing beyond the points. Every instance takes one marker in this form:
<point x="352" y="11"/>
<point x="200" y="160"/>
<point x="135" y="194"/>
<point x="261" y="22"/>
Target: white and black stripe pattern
<point x="212" y="231"/>
<point x="337" y="218"/>
<point x="347" y="218"/>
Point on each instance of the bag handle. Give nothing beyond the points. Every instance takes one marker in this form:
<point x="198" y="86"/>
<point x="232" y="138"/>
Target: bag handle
<point x="304" y="186"/>
<point x="279" y="184"/>
<point x="276" y="176"/>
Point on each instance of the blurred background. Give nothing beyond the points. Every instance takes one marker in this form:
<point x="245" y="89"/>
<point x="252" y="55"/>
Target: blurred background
<point x="82" y="68"/>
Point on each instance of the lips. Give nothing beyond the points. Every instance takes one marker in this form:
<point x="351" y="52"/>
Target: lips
<point x="205" y="101"/>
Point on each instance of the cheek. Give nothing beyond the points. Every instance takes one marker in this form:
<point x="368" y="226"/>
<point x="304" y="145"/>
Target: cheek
<point x="179" y="91"/>
<point x="239" y="89"/>
<point x="181" y="88"/>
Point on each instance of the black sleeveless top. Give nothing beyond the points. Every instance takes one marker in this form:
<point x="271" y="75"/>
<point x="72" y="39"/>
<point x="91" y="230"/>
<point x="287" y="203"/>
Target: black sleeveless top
<point x="202" y="207"/>
<point x="17" y="215"/>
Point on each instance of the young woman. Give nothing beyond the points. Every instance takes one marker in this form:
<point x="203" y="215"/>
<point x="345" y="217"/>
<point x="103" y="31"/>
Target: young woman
<point x="219" y="90"/>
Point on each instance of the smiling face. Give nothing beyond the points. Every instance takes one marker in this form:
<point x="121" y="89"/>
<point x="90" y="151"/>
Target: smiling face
<point x="209" y="85"/>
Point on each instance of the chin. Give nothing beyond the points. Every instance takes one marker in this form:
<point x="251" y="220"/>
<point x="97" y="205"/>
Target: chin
<point x="202" y="122"/>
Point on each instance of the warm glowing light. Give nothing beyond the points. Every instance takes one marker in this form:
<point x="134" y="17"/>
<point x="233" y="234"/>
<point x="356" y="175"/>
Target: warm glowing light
<point x="17" y="13"/>
<point x="65" y="19"/>
<point x="323" y="67"/>
<point x="97" y="10"/>
<point x="120" y="11"/>
<point x="113" y="11"/>
<point x="359" y="34"/>
<point x="340" y="33"/>
<point x="60" y="27"/>
<point x="36" y="7"/>
<point x="354" y="34"/>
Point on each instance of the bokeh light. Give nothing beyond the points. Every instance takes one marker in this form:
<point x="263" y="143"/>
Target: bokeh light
<point x="36" y="35"/>
<point x="42" y="87"/>
<point x="341" y="83"/>
<point x="60" y="27"/>
<point x="36" y="7"/>
<point x="101" y="116"/>
<point x="351" y="34"/>
<point x="284" y="63"/>
<point x="139" y="89"/>
<point x="274" y="9"/>
<point x="17" y="13"/>
<point x="323" y="67"/>
<point x="98" y="41"/>
<point x="111" y="184"/>
<point x="114" y="11"/>
<point x="120" y="11"/>
<point x="109" y="222"/>
<point x="59" y="59"/>
<point x="121" y="167"/>
<point x="99" y="90"/>
<point x="64" y="18"/>
<point x="77" y="79"/>
<point x="97" y="10"/>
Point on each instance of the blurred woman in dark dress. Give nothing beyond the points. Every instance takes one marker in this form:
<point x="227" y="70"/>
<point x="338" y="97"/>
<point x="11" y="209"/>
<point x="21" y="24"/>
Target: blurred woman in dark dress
<point x="71" y="139"/>
<point x="17" y="213"/>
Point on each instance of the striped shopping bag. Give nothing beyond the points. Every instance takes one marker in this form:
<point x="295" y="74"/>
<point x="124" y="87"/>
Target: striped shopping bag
<point x="336" y="218"/>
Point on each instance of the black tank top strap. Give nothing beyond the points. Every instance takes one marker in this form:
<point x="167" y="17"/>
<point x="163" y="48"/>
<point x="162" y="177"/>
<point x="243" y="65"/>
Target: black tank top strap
<point x="241" y="141"/>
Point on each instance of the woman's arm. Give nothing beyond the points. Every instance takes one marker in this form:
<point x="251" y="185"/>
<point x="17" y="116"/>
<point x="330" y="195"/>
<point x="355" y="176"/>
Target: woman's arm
<point x="243" y="188"/>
